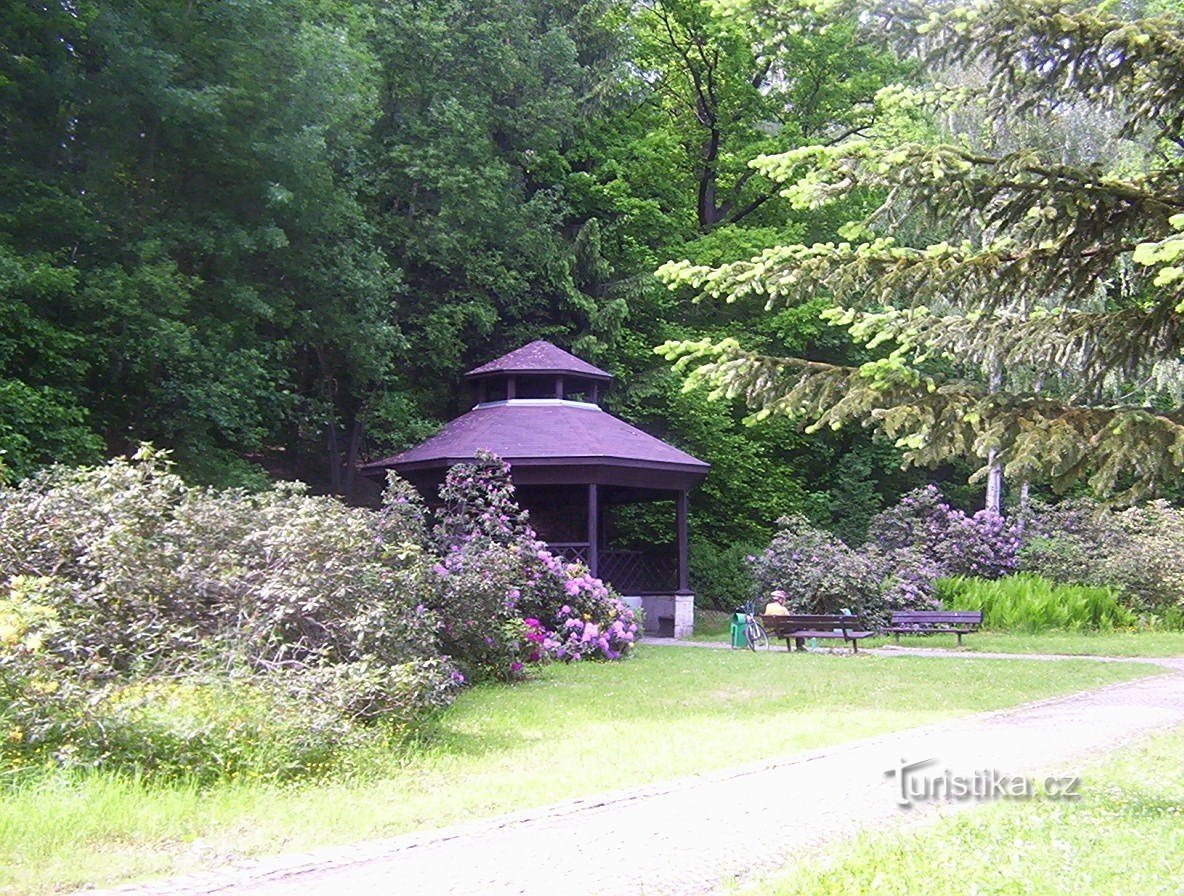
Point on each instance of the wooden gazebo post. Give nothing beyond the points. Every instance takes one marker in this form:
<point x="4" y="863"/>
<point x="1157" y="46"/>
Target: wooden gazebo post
<point x="593" y="529"/>
<point x="680" y="513"/>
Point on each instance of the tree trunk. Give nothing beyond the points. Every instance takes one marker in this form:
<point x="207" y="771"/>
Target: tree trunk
<point x="351" y="457"/>
<point x="709" y="212"/>
<point x="994" y="501"/>
<point x="994" y="484"/>
<point x="334" y="458"/>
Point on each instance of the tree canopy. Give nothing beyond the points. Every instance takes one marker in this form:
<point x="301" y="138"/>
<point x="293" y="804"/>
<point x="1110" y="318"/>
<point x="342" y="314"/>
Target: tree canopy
<point x="1028" y="308"/>
<point x="270" y="237"/>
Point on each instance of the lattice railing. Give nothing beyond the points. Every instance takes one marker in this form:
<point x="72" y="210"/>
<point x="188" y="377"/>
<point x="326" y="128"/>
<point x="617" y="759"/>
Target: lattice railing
<point x="638" y="572"/>
<point x="571" y="551"/>
<point x="630" y="572"/>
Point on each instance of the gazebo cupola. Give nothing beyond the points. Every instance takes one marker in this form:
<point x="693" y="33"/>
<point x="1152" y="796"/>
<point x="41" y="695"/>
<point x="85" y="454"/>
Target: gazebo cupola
<point x="575" y="467"/>
<point x="538" y="371"/>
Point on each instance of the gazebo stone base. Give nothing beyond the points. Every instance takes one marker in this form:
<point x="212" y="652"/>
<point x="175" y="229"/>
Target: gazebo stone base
<point x="667" y="615"/>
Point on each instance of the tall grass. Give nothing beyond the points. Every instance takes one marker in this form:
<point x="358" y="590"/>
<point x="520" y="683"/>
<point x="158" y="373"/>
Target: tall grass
<point x="1029" y="603"/>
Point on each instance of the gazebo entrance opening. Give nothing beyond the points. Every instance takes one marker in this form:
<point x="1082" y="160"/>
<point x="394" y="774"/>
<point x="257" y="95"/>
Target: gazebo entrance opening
<point x="580" y="523"/>
<point x="575" y="466"/>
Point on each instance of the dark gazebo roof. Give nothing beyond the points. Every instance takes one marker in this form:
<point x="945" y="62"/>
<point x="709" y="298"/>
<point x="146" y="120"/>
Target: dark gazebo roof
<point x="550" y="440"/>
<point x="540" y="357"/>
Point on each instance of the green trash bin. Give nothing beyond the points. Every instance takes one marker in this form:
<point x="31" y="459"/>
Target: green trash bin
<point x="739" y="623"/>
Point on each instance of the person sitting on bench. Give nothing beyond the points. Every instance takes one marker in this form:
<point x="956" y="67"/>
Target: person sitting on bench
<point x="776" y="604"/>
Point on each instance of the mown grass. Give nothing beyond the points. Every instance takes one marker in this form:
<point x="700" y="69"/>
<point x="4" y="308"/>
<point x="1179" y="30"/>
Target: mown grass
<point x="1125" y="837"/>
<point x="574" y="730"/>
<point x="1064" y="643"/>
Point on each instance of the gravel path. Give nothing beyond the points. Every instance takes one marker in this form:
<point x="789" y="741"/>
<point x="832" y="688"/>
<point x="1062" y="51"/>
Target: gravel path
<point x="697" y="834"/>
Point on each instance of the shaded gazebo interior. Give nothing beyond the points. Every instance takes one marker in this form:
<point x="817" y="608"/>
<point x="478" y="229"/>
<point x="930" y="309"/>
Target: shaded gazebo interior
<point x="576" y="468"/>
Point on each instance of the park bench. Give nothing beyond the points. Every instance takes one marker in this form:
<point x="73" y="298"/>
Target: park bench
<point x="935" y="622"/>
<point x="795" y="629"/>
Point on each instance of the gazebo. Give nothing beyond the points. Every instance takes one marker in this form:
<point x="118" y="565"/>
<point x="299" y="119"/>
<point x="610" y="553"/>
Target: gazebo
<point x="574" y="466"/>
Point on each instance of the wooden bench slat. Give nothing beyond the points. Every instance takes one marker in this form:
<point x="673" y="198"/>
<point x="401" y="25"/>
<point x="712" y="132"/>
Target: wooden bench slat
<point x="935" y="622"/>
<point x="797" y="627"/>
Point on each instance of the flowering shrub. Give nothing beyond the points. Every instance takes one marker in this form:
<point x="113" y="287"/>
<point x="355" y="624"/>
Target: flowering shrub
<point x="477" y="590"/>
<point x="115" y="574"/>
<point x="909" y="578"/>
<point x="126" y="597"/>
<point x="40" y="702"/>
<point x="1139" y="551"/>
<point x="505" y="599"/>
<point x="607" y="628"/>
<point x="982" y="545"/>
<point x="1148" y="565"/>
<point x="818" y="572"/>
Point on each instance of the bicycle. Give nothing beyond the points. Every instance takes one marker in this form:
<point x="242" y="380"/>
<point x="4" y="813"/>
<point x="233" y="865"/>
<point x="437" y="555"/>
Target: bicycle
<point x="755" y="636"/>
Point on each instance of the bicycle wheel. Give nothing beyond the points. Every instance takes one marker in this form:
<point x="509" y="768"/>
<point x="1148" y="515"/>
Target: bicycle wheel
<point x="755" y="636"/>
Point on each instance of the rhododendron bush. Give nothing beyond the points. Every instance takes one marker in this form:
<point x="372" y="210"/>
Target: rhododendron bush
<point x="1139" y="551"/>
<point x="909" y="547"/>
<point x="504" y="598"/>
<point x="123" y="574"/>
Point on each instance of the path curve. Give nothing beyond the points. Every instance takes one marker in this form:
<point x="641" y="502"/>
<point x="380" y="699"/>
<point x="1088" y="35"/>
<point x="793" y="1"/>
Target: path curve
<point x="695" y="835"/>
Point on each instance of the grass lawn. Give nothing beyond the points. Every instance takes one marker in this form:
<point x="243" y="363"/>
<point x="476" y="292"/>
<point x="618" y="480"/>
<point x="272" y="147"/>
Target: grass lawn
<point x="1125" y="837"/>
<point x="1117" y="643"/>
<point x="574" y="730"/>
<point x="713" y="626"/>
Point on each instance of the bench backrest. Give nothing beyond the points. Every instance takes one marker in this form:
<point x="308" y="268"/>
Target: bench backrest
<point x="807" y="621"/>
<point x="937" y="617"/>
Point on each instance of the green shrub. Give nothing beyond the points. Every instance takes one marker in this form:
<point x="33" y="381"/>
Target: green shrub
<point x="210" y="728"/>
<point x="1148" y="565"/>
<point x="1062" y="558"/>
<point x="721" y="577"/>
<point x="1029" y="603"/>
<point x="41" y="703"/>
<point x="204" y="730"/>
<point x="1139" y="551"/>
<point x="121" y="574"/>
<point x="818" y="573"/>
<point x="126" y="596"/>
<point x="148" y="575"/>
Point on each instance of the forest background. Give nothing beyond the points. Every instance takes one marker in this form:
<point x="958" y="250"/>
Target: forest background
<point x="271" y="236"/>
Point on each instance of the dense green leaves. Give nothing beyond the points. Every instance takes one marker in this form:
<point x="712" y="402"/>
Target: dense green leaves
<point x="270" y="236"/>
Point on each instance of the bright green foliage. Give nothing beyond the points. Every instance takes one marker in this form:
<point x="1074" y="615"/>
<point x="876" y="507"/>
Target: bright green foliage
<point x="720" y="577"/>
<point x="1035" y="271"/>
<point x="668" y="175"/>
<point x="734" y="88"/>
<point x="1028" y="603"/>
